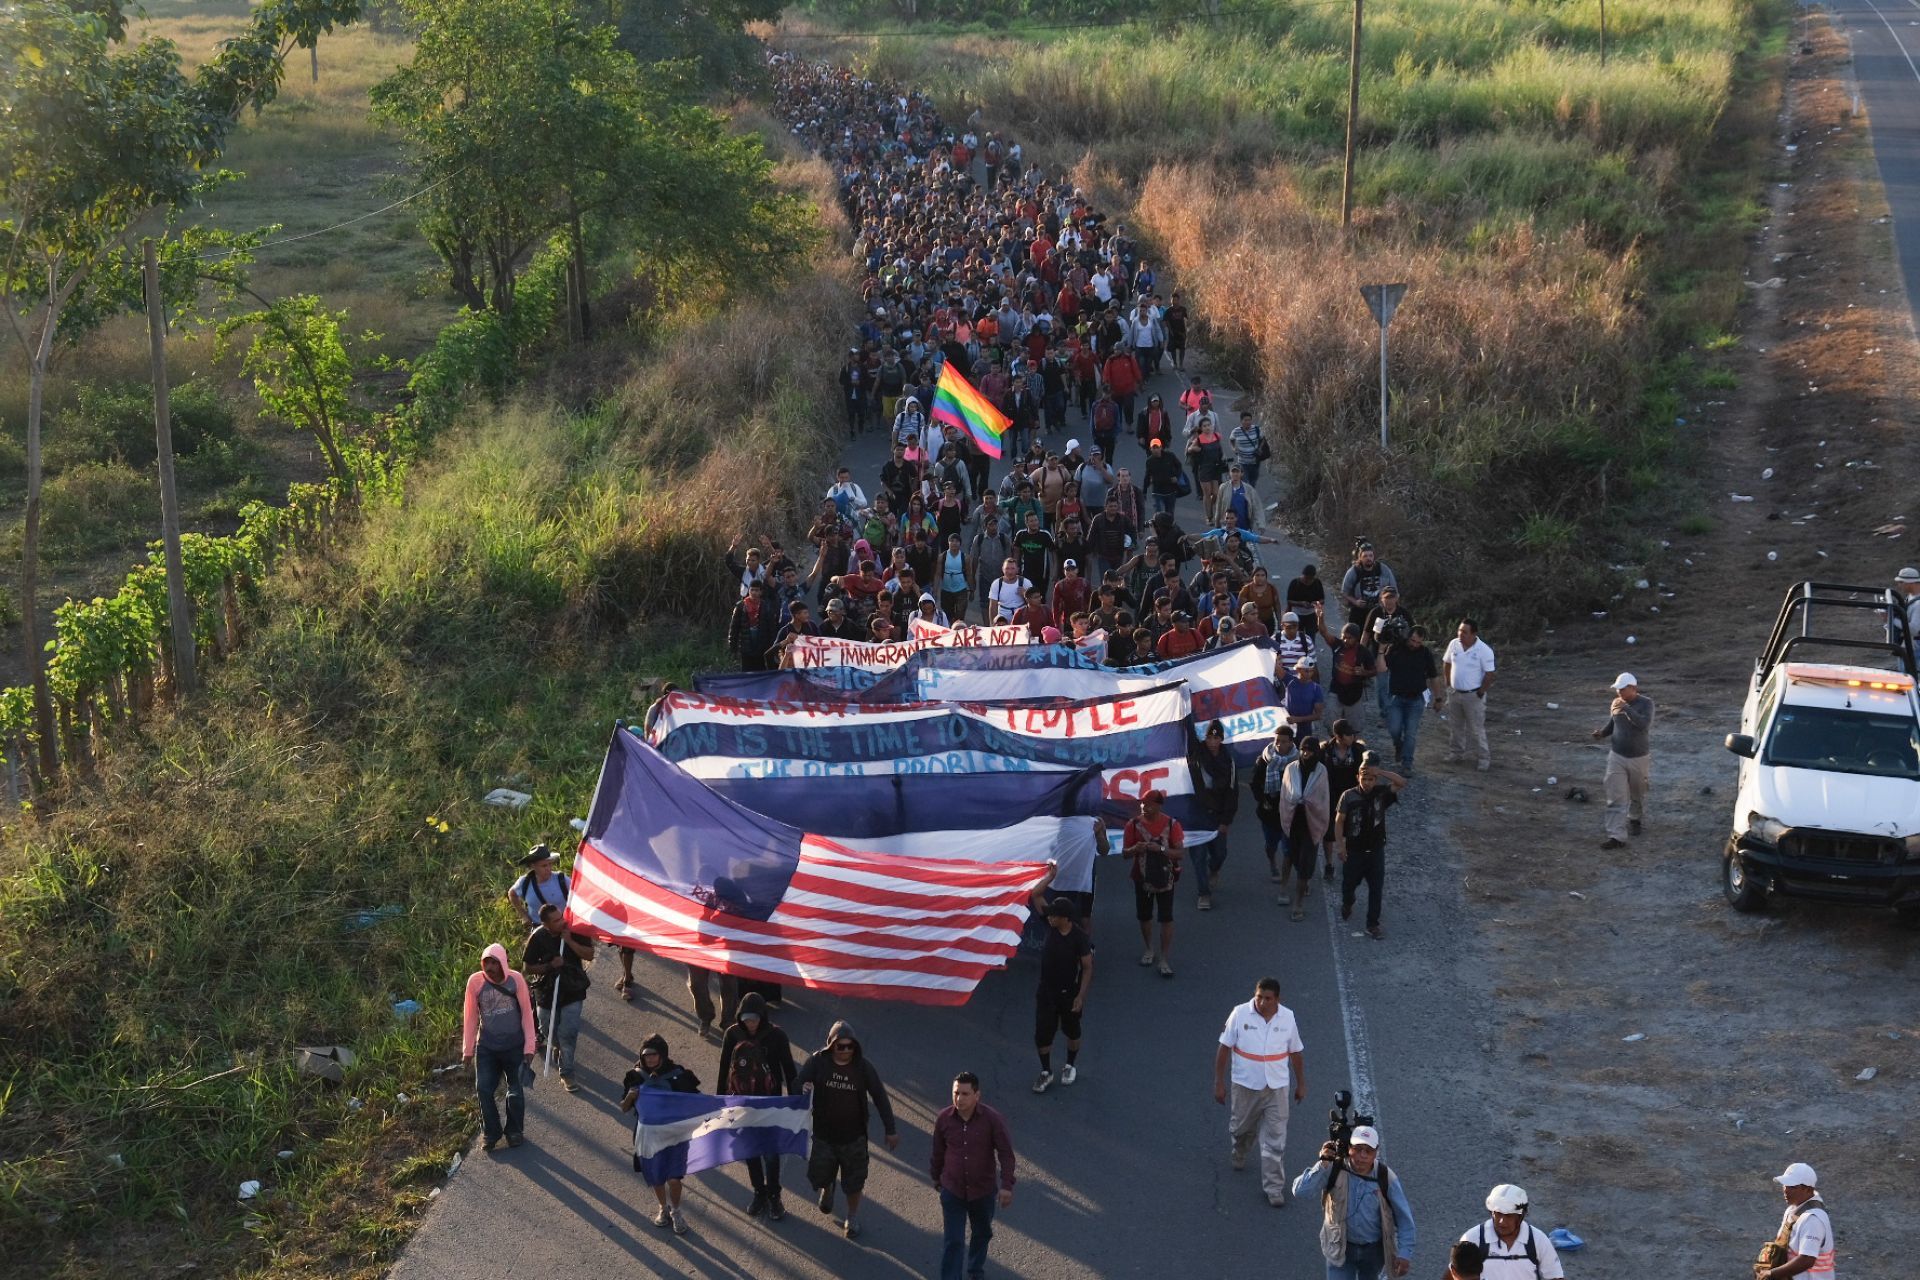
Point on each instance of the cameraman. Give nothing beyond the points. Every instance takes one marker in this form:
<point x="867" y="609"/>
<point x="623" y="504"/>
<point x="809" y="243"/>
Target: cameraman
<point x="1367" y="1219"/>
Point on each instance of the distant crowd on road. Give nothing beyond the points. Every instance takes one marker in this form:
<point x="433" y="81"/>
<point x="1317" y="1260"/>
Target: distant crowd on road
<point x="976" y="258"/>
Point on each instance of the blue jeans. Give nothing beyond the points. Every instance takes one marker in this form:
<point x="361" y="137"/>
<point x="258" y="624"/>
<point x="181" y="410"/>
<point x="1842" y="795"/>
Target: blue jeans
<point x="958" y="1215"/>
<point x="1364" y="1262"/>
<point x="490" y="1067"/>
<point x="1164" y="502"/>
<point x="1403" y="726"/>
<point x="565" y="1036"/>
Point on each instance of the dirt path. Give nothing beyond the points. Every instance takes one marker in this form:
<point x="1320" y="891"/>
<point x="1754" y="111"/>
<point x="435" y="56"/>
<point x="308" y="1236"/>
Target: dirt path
<point x="1754" y="1027"/>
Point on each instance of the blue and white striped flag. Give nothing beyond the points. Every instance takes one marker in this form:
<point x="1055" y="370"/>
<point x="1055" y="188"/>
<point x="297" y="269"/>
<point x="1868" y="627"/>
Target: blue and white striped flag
<point x="682" y="1133"/>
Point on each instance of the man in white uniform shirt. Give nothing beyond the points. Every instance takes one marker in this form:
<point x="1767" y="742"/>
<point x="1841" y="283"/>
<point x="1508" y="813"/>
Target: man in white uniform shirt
<point x="1516" y="1249"/>
<point x="1469" y="664"/>
<point x="1261" y="1042"/>
<point x="1806" y="1231"/>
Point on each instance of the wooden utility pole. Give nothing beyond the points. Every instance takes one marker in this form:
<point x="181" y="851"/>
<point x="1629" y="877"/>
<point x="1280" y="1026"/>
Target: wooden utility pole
<point x="1353" y="121"/>
<point x="185" y="673"/>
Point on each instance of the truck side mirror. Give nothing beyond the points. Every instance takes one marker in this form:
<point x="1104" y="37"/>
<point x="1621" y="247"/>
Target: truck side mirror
<point x="1741" y="744"/>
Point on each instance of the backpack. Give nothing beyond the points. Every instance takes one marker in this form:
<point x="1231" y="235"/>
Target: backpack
<point x="1533" y="1250"/>
<point x="1774" y="1253"/>
<point x="748" y="1071"/>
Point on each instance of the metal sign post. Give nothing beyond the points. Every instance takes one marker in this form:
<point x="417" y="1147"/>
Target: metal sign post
<point x="1383" y="300"/>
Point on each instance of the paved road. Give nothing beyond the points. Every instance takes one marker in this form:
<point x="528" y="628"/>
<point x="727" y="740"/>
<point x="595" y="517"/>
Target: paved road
<point x="1123" y="1174"/>
<point x="1885" y="35"/>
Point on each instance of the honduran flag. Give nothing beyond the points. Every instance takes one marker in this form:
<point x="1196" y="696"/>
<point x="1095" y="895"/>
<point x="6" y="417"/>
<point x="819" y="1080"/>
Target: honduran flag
<point x="669" y="867"/>
<point x="956" y="403"/>
<point x="681" y="1133"/>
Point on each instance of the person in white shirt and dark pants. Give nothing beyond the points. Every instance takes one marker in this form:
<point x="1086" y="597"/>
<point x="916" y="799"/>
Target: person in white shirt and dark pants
<point x="1261" y="1043"/>
<point x="1469" y="664"/>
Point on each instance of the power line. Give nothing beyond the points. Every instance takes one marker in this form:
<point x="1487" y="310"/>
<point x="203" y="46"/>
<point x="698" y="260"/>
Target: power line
<point x="308" y="235"/>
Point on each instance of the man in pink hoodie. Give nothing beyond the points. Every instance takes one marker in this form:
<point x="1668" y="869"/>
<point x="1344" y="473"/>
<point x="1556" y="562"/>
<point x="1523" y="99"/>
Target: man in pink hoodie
<point x="498" y="1038"/>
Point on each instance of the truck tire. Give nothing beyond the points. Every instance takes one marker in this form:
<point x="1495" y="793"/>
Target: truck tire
<point x="1744" y="893"/>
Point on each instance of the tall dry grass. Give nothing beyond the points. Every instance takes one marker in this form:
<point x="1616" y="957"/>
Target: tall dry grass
<point x="1515" y="369"/>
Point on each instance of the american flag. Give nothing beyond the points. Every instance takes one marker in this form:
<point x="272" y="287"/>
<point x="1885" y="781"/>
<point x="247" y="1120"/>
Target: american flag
<point x="667" y="866"/>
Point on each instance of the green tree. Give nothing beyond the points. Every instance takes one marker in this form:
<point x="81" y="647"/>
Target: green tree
<point x="99" y="139"/>
<point x="301" y="369"/>
<point x="525" y="121"/>
<point x="710" y="34"/>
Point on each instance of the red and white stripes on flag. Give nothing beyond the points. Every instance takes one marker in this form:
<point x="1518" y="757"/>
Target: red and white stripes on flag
<point x="858" y="924"/>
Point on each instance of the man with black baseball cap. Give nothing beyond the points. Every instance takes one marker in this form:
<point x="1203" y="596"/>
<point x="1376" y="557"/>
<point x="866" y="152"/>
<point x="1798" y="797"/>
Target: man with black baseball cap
<point x="1066" y="974"/>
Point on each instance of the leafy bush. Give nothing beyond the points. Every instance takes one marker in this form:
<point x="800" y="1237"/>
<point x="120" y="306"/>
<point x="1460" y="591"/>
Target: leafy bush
<point x="95" y="507"/>
<point x="114" y="422"/>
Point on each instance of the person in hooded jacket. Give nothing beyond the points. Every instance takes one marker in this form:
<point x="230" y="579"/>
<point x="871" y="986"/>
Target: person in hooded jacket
<point x="497" y="1037"/>
<point x="841" y="1080"/>
<point x="756" y="1060"/>
<point x="1304" y="810"/>
<point x="656" y="1069"/>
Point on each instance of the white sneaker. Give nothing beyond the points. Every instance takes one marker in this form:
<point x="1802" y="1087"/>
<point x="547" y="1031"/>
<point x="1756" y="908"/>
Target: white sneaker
<point x="1206" y="902"/>
<point x="679" y="1223"/>
<point x="1041" y="1081"/>
<point x="1147" y="956"/>
<point x="1069" y="1073"/>
<point x="663" y="1218"/>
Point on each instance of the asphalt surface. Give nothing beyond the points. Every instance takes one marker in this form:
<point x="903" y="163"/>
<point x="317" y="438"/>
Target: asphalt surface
<point x="1125" y="1173"/>
<point x="1885" y="36"/>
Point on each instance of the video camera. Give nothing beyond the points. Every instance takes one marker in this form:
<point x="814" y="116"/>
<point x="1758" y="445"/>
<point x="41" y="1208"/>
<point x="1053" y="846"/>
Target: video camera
<point x="1342" y="1121"/>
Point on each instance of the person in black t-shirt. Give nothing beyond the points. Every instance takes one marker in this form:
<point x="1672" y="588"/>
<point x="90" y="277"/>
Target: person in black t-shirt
<point x="1035" y="547"/>
<point x="841" y="1081"/>
<point x="1066" y="974"/>
<point x="1361" y="823"/>
<point x="1411" y="673"/>
<point x="553" y="953"/>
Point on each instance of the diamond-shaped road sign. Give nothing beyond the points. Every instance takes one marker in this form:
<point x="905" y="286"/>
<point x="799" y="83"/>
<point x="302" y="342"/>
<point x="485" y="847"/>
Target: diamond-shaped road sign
<point x="1383" y="300"/>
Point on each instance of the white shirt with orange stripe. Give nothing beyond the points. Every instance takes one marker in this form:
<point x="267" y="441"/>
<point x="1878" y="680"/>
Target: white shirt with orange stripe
<point x="1260" y="1046"/>
<point x="1813" y="1238"/>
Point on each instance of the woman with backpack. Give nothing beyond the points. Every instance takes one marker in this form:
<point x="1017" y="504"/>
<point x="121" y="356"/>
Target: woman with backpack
<point x="655" y="1069"/>
<point x="756" y="1060"/>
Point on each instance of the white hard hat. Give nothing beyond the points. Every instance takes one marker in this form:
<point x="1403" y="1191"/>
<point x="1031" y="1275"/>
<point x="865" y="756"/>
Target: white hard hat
<point x="1365" y="1136"/>
<point x="1506" y="1198"/>
<point x="1798" y="1175"/>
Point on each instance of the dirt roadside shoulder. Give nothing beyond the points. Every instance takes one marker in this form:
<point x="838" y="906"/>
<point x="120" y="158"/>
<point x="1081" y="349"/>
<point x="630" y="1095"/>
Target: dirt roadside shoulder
<point x="1663" y="1056"/>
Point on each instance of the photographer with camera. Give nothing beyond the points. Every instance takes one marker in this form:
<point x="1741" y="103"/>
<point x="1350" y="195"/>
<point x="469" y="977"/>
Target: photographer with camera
<point x="1368" y="1225"/>
<point x="1515" y="1248"/>
<point x="1804" y="1242"/>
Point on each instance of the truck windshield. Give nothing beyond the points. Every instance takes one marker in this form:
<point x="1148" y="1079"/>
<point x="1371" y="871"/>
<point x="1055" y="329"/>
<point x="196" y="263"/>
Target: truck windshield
<point x="1839" y="741"/>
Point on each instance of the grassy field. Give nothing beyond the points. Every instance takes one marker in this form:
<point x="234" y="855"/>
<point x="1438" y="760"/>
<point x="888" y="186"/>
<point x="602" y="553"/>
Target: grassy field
<point x="309" y="161"/>
<point x="172" y="933"/>
<point x="1572" y="232"/>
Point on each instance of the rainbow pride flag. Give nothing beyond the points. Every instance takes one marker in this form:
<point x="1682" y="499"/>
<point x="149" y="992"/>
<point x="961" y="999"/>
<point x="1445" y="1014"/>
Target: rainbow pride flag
<point x="958" y="404"/>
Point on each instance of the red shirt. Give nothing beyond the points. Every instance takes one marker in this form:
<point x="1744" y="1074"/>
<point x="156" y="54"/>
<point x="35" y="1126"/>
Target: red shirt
<point x="1178" y="644"/>
<point x="1137" y="830"/>
<point x="1123" y="375"/>
<point x="1071" y="596"/>
<point x="965" y="1152"/>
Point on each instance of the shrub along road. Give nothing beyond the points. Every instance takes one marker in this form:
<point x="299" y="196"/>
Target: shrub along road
<point x="1117" y="1170"/>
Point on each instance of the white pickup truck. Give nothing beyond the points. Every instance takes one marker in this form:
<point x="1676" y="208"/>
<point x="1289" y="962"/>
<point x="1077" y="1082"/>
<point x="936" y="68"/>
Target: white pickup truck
<point x="1828" y="804"/>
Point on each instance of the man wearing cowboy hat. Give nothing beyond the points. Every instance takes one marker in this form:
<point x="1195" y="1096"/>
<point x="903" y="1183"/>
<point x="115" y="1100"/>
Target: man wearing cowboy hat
<point x="1629" y="759"/>
<point x="1906" y="585"/>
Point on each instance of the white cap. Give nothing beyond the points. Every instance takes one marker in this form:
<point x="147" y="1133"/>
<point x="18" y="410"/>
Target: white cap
<point x="1506" y="1198"/>
<point x="1305" y="664"/>
<point x="1365" y="1136"/>
<point x="1798" y="1175"/>
<point x="1289" y="616"/>
<point x="1072" y="445"/>
<point x="1623" y="680"/>
<point x="1908" y="574"/>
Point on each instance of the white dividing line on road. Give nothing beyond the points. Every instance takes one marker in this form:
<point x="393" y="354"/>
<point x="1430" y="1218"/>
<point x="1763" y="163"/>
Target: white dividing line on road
<point x="1353" y="1021"/>
<point x="1897" y="41"/>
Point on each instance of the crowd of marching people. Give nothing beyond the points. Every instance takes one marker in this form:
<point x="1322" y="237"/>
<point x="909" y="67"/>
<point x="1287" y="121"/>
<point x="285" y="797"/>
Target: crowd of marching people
<point x="975" y="258"/>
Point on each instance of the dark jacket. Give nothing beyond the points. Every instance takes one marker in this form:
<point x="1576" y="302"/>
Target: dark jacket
<point x="818" y="1065"/>
<point x="772" y="1039"/>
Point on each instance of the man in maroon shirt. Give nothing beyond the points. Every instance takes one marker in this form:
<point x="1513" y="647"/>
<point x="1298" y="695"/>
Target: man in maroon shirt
<point x="967" y="1138"/>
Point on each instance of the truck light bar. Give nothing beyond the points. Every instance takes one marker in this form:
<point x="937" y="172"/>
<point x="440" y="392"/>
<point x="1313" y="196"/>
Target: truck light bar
<point x="1849" y="677"/>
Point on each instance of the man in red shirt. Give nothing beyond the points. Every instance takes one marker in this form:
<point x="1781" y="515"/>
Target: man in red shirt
<point x="969" y="1139"/>
<point x="1073" y="593"/>
<point x="1034" y="615"/>
<point x="1157" y="845"/>
<point x="1181" y="641"/>
<point x="1122" y="373"/>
